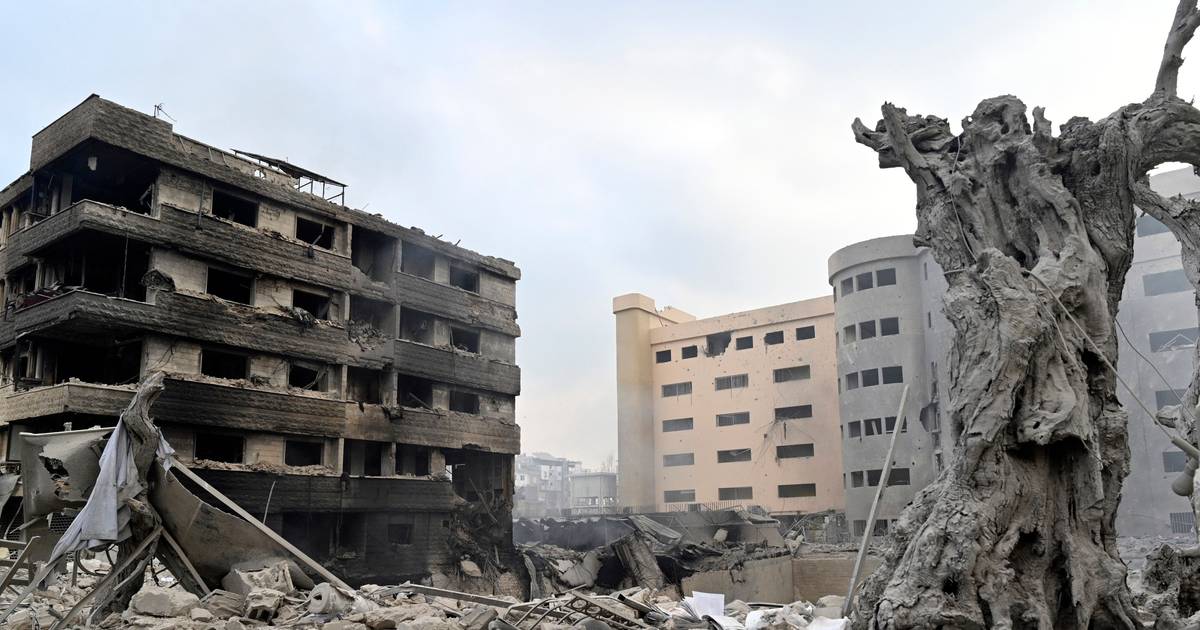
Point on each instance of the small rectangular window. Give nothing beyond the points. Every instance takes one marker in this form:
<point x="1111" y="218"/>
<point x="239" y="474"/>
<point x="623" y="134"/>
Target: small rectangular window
<point x="731" y="419"/>
<point x="805" y="332"/>
<point x="743" y="493"/>
<point x="872" y="426"/>
<point x="677" y="424"/>
<point x="847" y="286"/>
<point x="745" y="343"/>
<point x="234" y="208"/>
<point x="898" y="477"/>
<point x="1165" y="340"/>
<point x="854" y="428"/>
<point x="733" y="455"/>
<point x="314" y="233"/>
<point x="1174" y="461"/>
<point x="873" y="477"/>
<point x="796" y="490"/>
<point x="315" y="304"/>
<point x="1148" y="225"/>
<point x="399" y="533"/>
<point x="852" y="380"/>
<point x="737" y="381"/>
<point x="1168" y="397"/>
<point x="716" y="344"/>
<point x="464" y="402"/>
<point x="306" y="376"/>
<point x="893" y="374"/>
<point x="856" y="479"/>
<point x="464" y="339"/>
<point x="464" y="278"/>
<point x="860" y="527"/>
<point x="1173" y="281"/>
<point x="864" y="281"/>
<point x="889" y="424"/>
<point x="220" y="447"/>
<point x="850" y="334"/>
<point x="773" y="338"/>
<point x="790" y="451"/>
<point x="231" y="286"/>
<point x="794" y="412"/>
<point x="679" y="459"/>
<point x="676" y="389"/>
<point x="224" y="364"/>
<point x="302" y="453"/>
<point x="662" y="356"/>
<point x="797" y="373"/>
<point x="678" y="496"/>
<point x="870" y="378"/>
<point x="866" y="330"/>
<point x="885" y="277"/>
<point x="688" y="352"/>
<point x="889" y="326"/>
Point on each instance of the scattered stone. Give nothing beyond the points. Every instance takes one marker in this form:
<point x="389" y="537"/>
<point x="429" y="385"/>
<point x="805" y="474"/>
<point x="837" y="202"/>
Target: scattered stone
<point x="478" y="617"/>
<point x="343" y="625"/>
<point x="277" y="577"/>
<point x="200" y="614"/>
<point x="470" y="568"/>
<point x="262" y="603"/>
<point x="163" y="602"/>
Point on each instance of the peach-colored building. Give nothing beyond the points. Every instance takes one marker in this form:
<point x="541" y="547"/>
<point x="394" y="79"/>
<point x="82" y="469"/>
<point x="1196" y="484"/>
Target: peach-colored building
<point x="737" y="409"/>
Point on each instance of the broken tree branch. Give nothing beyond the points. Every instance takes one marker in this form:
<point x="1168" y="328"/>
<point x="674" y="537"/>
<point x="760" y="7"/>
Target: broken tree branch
<point x="1187" y="18"/>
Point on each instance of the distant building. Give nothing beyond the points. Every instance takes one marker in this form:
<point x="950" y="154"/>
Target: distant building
<point x="1158" y="315"/>
<point x="543" y="485"/>
<point x="593" y="492"/>
<point x="890" y="333"/>
<point x="734" y="409"/>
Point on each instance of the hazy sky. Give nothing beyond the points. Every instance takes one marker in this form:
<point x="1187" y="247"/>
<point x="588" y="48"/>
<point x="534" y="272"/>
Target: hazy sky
<point x="696" y="152"/>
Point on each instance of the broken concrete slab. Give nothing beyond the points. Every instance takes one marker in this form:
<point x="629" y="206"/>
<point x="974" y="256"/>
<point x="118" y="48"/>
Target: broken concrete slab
<point x="163" y="602"/>
<point x="277" y="576"/>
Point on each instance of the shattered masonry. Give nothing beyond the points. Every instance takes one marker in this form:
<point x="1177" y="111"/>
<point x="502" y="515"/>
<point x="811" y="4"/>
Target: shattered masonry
<point x="352" y="379"/>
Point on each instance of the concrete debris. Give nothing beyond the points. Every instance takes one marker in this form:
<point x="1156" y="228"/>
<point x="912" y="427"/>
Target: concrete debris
<point x="470" y="569"/>
<point x="163" y="602"/>
<point x="263" y="603"/>
<point x="276" y="577"/>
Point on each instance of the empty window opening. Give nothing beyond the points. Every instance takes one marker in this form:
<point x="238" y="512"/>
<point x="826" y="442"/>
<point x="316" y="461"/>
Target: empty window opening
<point x="227" y="285"/>
<point x="219" y="447"/>
<point x="894" y="374"/>
<point x="898" y="477"/>
<point x="314" y="233"/>
<point x="852" y="380"/>
<point x="372" y="253"/>
<point x="854" y="428"/>
<point x="399" y="533"/>
<point x="374" y="313"/>
<point x="866" y="330"/>
<point x="773" y="338"/>
<point x="1173" y="281"/>
<point x="889" y="424"/>
<point x="717" y="343"/>
<point x="796" y="490"/>
<point x="464" y="402"/>
<point x="860" y="527"/>
<point x="223" y="364"/>
<point x="889" y="326"/>
<point x="731" y="419"/>
<point x="1173" y="339"/>
<point x="873" y="477"/>
<point x="797" y="373"/>
<point x="464" y="339"/>
<point x="688" y="352"/>
<point x="794" y="412"/>
<point x="662" y="356"/>
<point x="307" y="376"/>
<point x="97" y="262"/>
<point x="886" y="277"/>
<point x="1174" y="461"/>
<point x="679" y="459"/>
<point x="850" y="334"/>
<point x="805" y="332"/>
<point x="464" y="278"/>
<point x="745" y="343"/>
<point x="870" y="378"/>
<point x="363" y="385"/>
<point x="114" y="363"/>
<point x="352" y="534"/>
<point x="678" y="496"/>
<point x="741" y="493"/>
<point x="414" y="391"/>
<point x="789" y="451"/>
<point x="373" y="458"/>
<point x="847" y="286"/>
<point x="856" y="479"/>
<point x="417" y="326"/>
<point x="316" y="304"/>
<point x="736" y="381"/>
<point x="677" y="424"/>
<point x="234" y="208"/>
<point x="873" y="426"/>
<point x="303" y="453"/>
<point x="417" y="260"/>
<point x="863" y="281"/>
<point x="733" y="455"/>
<point x="105" y="174"/>
<point x="676" y="389"/>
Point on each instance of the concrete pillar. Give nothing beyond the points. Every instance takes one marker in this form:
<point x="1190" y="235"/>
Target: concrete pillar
<point x="441" y="396"/>
<point x="437" y="461"/>
<point x="387" y="388"/>
<point x="441" y="269"/>
<point x="389" y="459"/>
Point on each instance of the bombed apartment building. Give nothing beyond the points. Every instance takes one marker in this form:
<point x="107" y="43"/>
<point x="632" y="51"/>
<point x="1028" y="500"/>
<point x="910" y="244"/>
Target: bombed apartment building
<point x="351" y="379"/>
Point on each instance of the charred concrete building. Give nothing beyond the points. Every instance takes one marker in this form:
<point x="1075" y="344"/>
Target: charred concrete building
<point x="352" y="379"/>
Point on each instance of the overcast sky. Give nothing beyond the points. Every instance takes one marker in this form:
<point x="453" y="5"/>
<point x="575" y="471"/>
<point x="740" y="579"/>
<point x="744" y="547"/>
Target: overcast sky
<point x="697" y="152"/>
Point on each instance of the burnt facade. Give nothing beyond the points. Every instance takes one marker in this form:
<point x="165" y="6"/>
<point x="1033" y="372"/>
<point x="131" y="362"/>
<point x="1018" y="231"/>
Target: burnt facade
<point x="352" y="379"/>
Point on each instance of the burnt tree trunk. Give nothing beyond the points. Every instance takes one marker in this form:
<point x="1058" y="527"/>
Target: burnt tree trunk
<point x="1035" y="234"/>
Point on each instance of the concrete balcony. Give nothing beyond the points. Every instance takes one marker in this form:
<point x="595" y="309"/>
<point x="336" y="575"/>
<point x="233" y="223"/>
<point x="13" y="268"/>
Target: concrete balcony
<point x="72" y="397"/>
<point x="433" y="428"/>
<point x="456" y="304"/>
<point x="324" y="493"/>
<point x="450" y="366"/>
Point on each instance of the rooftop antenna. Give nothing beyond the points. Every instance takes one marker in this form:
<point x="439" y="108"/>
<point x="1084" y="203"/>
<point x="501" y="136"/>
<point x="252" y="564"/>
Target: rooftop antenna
<point x="158" y="109"/>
